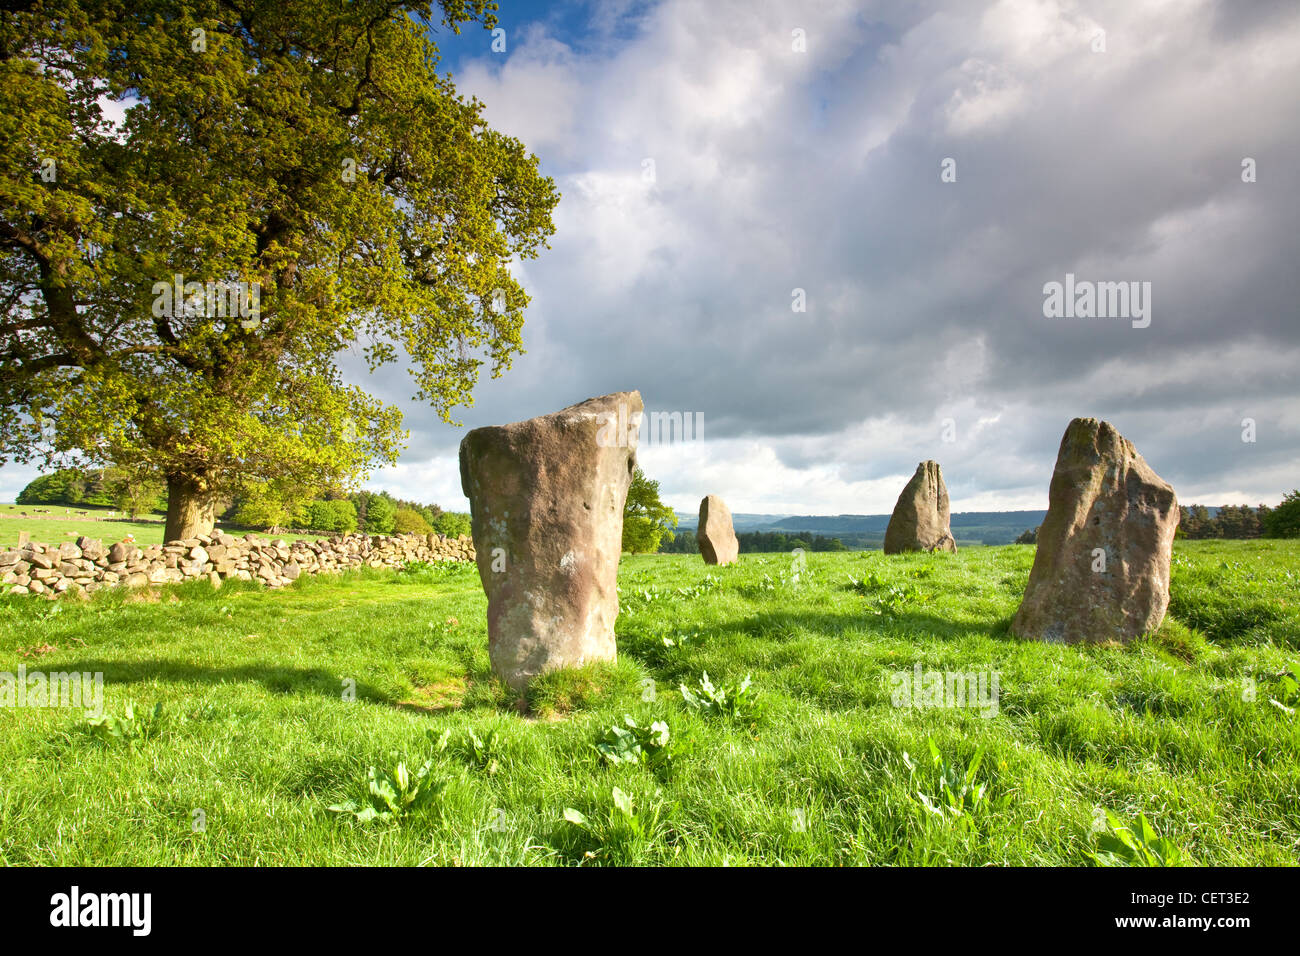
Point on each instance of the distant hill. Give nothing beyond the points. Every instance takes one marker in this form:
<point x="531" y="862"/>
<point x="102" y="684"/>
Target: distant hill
<point x="987" y="527"/>
<point x="741" y="522"/>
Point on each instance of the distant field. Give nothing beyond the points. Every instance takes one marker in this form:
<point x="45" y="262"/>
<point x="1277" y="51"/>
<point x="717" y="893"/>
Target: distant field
<point x="970" y="528"/>
<point x="64" y="524"/>
<point x="258" y="732"/>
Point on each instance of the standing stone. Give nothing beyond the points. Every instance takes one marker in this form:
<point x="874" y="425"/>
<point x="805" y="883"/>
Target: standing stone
<point x="715" y="534"/>
<point x="920" y="518"/>
<point x="1101" y="571"/>
<point x="24" y="537"/>
<point x="546" y="503"/>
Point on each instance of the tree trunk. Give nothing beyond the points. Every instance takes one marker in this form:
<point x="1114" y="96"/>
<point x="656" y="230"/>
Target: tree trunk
<point x="190" y="508"/>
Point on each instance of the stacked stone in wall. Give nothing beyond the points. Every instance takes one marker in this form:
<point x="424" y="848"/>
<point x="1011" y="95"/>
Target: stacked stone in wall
<point x="50" y="570"/>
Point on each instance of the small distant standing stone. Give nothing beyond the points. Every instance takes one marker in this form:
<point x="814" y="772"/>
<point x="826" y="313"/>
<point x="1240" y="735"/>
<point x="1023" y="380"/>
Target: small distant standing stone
<point x="920" y="518"/>
<point x="715" y="533"/>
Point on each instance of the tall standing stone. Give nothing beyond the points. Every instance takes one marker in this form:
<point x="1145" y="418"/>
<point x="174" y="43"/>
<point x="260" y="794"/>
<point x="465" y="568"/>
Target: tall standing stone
<point x="1101" y="571"/>
<point x="715" y="534"/>
<point x="546" y="502"/>
<point x="920" y="518"/>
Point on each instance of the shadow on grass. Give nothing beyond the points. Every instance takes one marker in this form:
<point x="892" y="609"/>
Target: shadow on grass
<point x="475" y="691"/>
<point x="277" y="679"/>
<point x="784" y="625"/>
<point x="645" y="643"/>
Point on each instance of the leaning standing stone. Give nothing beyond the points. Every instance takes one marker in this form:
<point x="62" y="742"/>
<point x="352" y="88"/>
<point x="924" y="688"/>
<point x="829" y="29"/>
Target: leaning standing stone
<point x="1101" y="571"/>
<point x="920" y="518"/>
<point x="546" y="502"/>
<point x="715" y="534"/>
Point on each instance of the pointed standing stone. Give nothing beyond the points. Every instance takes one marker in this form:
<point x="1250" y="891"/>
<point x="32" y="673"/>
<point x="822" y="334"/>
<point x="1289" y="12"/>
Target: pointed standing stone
<point x="546" y="500"/>
<point x="1101" y="571"/>
<point x="920" y="518"/>
<point x="715" y="534"/>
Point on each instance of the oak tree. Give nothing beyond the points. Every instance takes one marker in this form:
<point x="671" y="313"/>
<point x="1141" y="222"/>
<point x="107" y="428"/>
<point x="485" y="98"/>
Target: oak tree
<point x="646" y="519"/>
<point x="204" y="204"/>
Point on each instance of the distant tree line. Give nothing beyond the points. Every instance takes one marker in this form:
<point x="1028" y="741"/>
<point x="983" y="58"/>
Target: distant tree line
<point x="366" y="511"/>
<point x="1229" y="521"/>
<point x="113" y="487"/>
<point x="759" y="542"/>
<point x="1284" y="520"/>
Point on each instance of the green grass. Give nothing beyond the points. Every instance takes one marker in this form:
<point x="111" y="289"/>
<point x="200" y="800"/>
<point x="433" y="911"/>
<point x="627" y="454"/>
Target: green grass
<point x="255" y="731"/>
<point x="63" y="524"/>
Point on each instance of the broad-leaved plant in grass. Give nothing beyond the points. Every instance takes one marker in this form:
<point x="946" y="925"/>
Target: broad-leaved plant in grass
<point x="622" y="834"/>
<point x="1138" y="845"/>
<point x="481" y="752"/>
<point x="729" y="701"/>
<point x="130" y="727"/>
<point x="652" y="747"/>
<point x="948" y="793"/>
<point x="393" y="796"/>
<point x="1288" y="690"/>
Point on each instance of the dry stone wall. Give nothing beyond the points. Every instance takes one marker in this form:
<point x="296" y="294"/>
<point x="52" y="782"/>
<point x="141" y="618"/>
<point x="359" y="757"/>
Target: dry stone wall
<point x="81" y="567"/>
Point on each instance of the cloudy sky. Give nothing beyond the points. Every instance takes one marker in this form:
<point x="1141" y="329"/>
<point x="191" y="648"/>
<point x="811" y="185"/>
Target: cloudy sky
<point x="716" y="157"/>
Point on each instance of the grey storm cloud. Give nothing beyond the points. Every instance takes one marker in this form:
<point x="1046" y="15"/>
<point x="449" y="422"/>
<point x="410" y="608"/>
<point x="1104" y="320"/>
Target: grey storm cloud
<point x="776" y="170"/>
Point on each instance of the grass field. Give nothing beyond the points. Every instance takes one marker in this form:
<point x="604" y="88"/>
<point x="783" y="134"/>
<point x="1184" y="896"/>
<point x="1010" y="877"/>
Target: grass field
<point x="63" y="524"/>
<point x="256" y="733"/>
